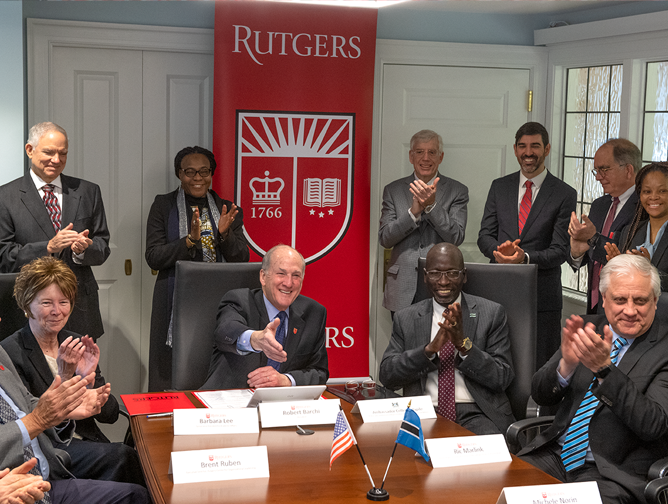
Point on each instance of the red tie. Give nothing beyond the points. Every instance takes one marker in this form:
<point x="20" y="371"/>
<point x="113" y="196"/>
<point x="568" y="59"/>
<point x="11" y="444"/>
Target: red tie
<point x="52" y="206"/>
<point x="525" y="205"/>
<point x="597" y="265"/>
<point x="446" y="382"/>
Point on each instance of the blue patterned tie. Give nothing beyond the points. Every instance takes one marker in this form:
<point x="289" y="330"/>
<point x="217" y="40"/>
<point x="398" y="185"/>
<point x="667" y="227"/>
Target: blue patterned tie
<point x="576" y="443"/>
<point x="280" y="337"/>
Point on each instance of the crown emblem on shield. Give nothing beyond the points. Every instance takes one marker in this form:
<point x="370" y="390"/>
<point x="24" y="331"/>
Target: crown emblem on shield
<point x="262" y="195"/>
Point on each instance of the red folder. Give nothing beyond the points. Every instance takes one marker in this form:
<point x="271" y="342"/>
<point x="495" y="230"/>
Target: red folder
<point x="161" y="402"/>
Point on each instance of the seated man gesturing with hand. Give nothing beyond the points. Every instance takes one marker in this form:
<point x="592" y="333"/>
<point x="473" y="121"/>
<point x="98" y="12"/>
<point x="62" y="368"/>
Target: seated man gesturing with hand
<point x="273" y="336"/>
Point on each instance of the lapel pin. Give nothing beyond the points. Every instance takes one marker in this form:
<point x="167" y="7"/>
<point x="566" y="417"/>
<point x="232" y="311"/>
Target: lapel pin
<point x="2" y="368"/>
<point x="294" y="331"/>
<point x="473" y="315"/>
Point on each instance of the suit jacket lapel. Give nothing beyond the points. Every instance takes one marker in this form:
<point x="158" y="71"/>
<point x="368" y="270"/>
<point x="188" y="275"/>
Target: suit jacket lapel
<point x="660" y="250"/>
<point x="638" y="348"/>
<point x="258" y="299"/>
<point x="422" y="323"/>
<point x="469" y="317"/>
<point x="71" y="201"/>
<point x="35" y="206"/>
<point x="296" y="325"/>
<point x="35" y="355"/>
<point x="512" y="191"/>
<point x="625" y="214"/>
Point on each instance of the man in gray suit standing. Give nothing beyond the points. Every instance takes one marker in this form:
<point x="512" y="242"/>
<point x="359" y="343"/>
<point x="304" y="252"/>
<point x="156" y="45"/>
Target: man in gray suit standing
<point x="453" y="347"/>
<point x="46" y="213"/>
<point x="419" y="211"/>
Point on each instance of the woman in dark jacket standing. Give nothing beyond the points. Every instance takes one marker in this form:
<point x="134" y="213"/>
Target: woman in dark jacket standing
<point x="192" y="223"/>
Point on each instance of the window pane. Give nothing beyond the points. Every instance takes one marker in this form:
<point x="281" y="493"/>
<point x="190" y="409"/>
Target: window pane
<point x="655" y="140"/>
<point x="656" y="92"/>
<point x="599" y="89"/>
<point x="614" y="126"/>
<point x="573" y="174"/>
<point x="616" y="89"/>
<point x="597" y="132"/>
<point x="591" y="188"/>
<point x="575" y="135"/>
<point x="577" y="90"/>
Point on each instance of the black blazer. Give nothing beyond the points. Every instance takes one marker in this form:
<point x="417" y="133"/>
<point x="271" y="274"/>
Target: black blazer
<point x="597" y="214"/>
<point x="31" y="365"/>
<point x="25" y="230"/>
<point x="545" y="234"/>
<point x="629" y="430"/>
<point x="660" y="257"/>
<point x="244" y="309"/>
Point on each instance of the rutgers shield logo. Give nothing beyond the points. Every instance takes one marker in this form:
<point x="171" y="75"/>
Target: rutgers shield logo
<point x="294" y="179"/>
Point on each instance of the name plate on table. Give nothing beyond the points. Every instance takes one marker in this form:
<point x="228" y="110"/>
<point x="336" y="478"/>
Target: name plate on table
<point x="219" y="464"/>
<point x="215" y="421"/>
<point x="391" y="410"/>
<point x="565" y="493"/>
<point x="467" y="450"/>
<point x="284" y="414"/>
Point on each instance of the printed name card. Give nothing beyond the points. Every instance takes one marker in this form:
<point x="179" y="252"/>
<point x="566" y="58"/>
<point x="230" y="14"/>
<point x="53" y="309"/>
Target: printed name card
<point x="219" y="464"/>
<point x="467" y="450"/>
<point x="287" y="413"/>
<point x="390" y="410"/>
<point x="565" y="493"/>
<point x="215" y="421"/>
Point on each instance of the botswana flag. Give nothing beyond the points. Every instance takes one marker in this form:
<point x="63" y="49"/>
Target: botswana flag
<point x="410" y="433"/>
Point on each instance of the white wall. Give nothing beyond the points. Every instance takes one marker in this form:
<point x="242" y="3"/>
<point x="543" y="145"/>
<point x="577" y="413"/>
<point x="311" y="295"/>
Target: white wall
<point x="11" y="90"/>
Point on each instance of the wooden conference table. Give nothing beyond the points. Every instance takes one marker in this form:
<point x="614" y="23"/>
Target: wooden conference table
<point x="299" y="466"/>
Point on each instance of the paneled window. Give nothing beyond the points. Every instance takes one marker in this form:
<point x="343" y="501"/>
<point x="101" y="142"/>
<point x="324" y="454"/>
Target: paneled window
<point x="655" y="123"/>
<point x="593" y="102"/>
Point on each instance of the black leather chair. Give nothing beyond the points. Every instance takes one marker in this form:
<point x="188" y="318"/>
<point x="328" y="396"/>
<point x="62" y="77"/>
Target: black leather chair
<point x="514" y="286"/>
<point x="12" y="317"/>
<point x="656" y="491"/>
<point x="198" y="288"/>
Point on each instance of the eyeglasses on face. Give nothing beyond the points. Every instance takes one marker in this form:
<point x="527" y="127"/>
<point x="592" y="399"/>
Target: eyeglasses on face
<point x="435" y="275"/>
<point x="603" y="170"/>
<point x="191" y="172"/>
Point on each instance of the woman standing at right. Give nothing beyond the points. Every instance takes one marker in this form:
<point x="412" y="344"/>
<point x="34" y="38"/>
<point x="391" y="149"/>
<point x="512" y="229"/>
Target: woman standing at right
<point x="646" y="234"/>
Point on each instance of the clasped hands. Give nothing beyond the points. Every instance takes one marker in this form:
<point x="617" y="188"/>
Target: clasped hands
<point x="224" y="224"/>
<point x="265" y="341"/>
<point x="67" y="237"/>
<point x="79" y="356"/>
<point x="509" y="253"/>
<point x="580" y="233"/>
<point x="423" y="195"/>
<point x="580" y="344"/>
<point x="450" y="329"/>
<point x="18" y="486"/>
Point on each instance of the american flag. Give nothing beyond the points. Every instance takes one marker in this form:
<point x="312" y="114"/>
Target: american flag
<point x="343" y="438"/>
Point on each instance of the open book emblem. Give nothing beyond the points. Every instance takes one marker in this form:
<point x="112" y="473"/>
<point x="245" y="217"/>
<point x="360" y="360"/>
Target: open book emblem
<point x="294" y="179"/>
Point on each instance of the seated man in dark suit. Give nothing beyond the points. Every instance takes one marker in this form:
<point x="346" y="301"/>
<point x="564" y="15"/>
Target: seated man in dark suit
<point x="611" y="376"/>
<point x="28" y="427"/>
<point x="270" y="337"/>
<point x="454" y="347"/>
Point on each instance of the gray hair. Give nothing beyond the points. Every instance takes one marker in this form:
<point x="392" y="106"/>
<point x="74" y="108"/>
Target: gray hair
<point x="40" y="129"/>
<point x="266" y="260"/>
<point x="625" y="152"/>
<point x="624" y="264"/>
<point x="427" y="136"/>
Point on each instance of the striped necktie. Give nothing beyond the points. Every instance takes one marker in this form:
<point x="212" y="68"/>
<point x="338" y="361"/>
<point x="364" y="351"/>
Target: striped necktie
<point x="576" y="443"/>
<point x="52" y="206"/>
<point x="525" y="206"/>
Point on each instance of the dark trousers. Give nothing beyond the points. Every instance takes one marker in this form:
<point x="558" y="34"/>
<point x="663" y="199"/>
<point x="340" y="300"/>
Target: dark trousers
<point x="548" y="459"/>
<point x="471" y="417"/>
<point x="77" y="491"/>
<point x="104" y="461"/>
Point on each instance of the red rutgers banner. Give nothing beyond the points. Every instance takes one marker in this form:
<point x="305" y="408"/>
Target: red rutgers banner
<point x="293" y="107"/>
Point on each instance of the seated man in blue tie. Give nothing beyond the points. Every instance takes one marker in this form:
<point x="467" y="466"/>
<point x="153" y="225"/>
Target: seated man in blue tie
<point x="453" y="347"/>
<point x="270" y="337"/>
<point x="28" y="426"/>
<point x="610" y="379"/>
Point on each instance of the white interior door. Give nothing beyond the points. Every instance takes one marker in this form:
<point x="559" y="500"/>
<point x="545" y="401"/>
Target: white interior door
<point x="476" y="111"/>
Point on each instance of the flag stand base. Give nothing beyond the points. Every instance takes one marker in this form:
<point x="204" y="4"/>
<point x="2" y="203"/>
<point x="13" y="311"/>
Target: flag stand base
<point x="377" y="494"/>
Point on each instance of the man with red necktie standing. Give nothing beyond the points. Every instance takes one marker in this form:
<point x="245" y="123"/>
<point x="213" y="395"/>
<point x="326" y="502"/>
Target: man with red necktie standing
<point x="526" y="221"/>
<point x="47" y="213"/>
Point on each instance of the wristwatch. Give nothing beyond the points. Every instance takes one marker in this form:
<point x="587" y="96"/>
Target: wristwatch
<point x="593" y="240"/>
<point x="467" y="344"/>
<point x="603" y="372"/>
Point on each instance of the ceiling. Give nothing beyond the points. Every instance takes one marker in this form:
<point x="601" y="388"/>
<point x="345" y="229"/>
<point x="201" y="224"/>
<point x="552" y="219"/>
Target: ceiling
<point x="504" y="6"/>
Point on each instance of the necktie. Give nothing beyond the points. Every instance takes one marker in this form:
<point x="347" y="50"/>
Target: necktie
<point x="281" y="333"/>
<point x="597" y="265"/>
<point x="576" y="442"/>
<point x="52" y="206"/>
<point x="446" y="382"/>
<point x="525" y="205"/>
<point x="7" y="414"/>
